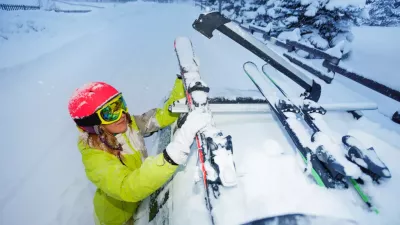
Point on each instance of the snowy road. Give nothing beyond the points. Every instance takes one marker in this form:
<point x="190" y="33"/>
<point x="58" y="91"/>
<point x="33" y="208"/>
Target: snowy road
<point x="43" y="181"/>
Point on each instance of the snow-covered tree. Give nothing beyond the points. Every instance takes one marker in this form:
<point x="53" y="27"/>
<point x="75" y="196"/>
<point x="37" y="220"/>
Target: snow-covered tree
<point x="230" y="8"/>
<point x="322" y="23"/>
<point x="383" y="13"/>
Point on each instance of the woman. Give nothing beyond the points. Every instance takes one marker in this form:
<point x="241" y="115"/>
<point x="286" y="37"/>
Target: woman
<point x="114" y="153"/>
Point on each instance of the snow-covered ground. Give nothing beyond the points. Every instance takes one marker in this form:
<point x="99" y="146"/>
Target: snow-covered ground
<point x="131" y="47"/>
<point x="36" y="33"/>
<point x="19" y="2"/>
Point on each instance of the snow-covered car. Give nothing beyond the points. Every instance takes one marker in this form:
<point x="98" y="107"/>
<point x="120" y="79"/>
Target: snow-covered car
<point x="272" y="188"/>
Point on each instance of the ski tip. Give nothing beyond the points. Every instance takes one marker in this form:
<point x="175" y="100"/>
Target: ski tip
<point x="249" y="64"/>
<point x="182" y="40"/>
<point x="264" y="66"/>
<point x="372" y="208"/>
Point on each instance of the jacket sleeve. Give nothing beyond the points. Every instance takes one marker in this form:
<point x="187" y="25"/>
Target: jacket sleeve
<point x="118" y="181"/>
<point x="156" y="119"/>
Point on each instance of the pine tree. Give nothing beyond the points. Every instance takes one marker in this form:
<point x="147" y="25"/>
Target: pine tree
<point x="384" y="13"/>
<point x="233" y="8"/>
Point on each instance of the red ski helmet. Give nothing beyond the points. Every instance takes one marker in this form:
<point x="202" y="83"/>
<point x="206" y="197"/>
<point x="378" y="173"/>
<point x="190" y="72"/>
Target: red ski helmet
<point x="87" y="100"/>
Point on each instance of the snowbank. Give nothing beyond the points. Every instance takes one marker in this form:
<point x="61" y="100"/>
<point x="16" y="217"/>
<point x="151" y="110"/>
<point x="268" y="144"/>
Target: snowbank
<point x="39" y="32"/>
<point x="343" y="4"/>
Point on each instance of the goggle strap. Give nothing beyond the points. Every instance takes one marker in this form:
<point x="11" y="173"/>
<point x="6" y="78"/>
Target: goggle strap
<point x="88" y="121"/>
<point x="97" y="130"/>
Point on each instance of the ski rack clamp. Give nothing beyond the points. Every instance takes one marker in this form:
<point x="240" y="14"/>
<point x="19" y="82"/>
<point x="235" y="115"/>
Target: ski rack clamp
<point x="207" y="23"/>
<point x="319" y="109"/>
<point x="198" y="87"/>
<point x="287" y="107"/>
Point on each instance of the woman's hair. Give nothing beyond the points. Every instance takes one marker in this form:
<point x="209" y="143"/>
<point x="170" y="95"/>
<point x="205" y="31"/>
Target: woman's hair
<point x="94" y="141"/>
<point x="105" y="140"/>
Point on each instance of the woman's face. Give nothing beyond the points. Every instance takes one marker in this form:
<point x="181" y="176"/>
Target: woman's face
<point x="118" y="127"/>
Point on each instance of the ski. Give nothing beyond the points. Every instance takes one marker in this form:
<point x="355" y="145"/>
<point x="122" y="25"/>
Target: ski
<point x="215" y="152"/>
<point x="287" y="115"/>
<point x="327" y="154"/>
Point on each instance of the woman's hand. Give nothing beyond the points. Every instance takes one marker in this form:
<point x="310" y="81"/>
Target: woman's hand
<point x="179" y="149"/>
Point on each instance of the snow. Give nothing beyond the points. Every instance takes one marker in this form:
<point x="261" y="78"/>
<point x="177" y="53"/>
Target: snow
<point x="386" y="172"/>
<point x="19" y="2"/>
<point x="368" y="152"/>
<point x="224" y="159"/>
<point x="271" y="13"/>
<point x="292" y="19"/>
<point x="375" y="54"/>
<point x="343" y="4"/>
<point x="250" y="14"/>
<point x="266" y="29"/>
<point x="293" y="35"/>
<point x="333" y="149"/>
<point x="306" y="2"/>
<point x="337" y="50"/>
<point x="50" y="31"/>
<point x="128" y="46"/>
<point x="317" y="41"/>
<point x="183" y="48"/>
<point x="360" y="162"/>
<point x="261" y="10"/>
<point x="311" y="11"/>
<point x="68" y="5"/>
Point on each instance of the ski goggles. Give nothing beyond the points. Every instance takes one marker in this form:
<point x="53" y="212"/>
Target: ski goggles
<point x="112" y="111"/>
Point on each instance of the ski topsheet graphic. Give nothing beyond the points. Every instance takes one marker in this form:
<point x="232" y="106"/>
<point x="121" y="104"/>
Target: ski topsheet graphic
<point x="215" y="151"/>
